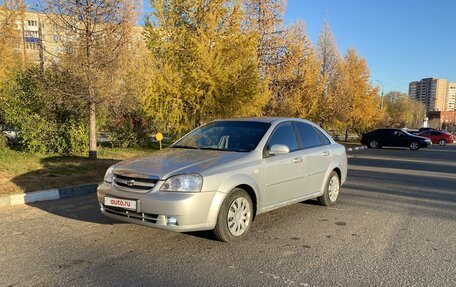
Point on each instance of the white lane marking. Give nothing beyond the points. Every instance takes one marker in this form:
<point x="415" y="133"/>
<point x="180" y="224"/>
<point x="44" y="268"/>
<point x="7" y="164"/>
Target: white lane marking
<point x="402" y="171"/>
<point x="439" y="162"/>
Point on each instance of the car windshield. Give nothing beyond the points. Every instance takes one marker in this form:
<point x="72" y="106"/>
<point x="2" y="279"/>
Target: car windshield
<point x="239" y="136"/>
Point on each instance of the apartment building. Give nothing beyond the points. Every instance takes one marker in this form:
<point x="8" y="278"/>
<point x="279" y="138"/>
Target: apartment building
<point x="451" y="98"/>
<point x="43" y="42"/>
<point x="436" y="94"/>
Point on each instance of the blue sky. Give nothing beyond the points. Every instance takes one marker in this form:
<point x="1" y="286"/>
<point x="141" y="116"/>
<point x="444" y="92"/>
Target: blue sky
<point x="402" y="40"/>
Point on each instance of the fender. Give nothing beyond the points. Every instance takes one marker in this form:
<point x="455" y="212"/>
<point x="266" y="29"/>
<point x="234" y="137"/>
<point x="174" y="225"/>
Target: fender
<point x="333" y="166"/>
<point x="228" y="185"/>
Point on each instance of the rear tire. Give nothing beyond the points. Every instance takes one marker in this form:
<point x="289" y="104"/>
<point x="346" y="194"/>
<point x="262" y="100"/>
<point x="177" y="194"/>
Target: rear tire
<point x="235" y="216"/>
<point x="373" y="144"/>
<point x="442" y="142"/>
<point x="414" y="146"/>
<point x="332" y="189"/>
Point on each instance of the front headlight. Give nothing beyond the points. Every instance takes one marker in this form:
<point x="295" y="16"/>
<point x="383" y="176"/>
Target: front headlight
<point x="109" y="174"/>
<point x="183" y="182"/>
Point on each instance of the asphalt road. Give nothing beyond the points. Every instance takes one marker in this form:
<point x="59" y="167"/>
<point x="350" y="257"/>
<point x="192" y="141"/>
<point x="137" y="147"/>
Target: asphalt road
<point x="395" y="225"/>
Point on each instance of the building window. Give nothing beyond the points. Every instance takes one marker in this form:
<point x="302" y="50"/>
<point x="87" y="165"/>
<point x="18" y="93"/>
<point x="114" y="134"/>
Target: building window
<point x="32" y="23"/>
<point x="31" y="46"/>
<point x="31" y="34"/>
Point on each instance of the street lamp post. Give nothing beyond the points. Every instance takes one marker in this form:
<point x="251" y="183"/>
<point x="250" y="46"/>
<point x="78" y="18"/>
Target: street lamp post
<point x="381" y="102"/>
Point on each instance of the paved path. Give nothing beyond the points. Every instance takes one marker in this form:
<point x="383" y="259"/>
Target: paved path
<point x="395" y="225"/>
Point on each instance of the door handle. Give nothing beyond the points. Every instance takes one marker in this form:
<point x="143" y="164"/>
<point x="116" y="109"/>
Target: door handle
<point x="326" y="153"/>
<point x="297" y="159"/>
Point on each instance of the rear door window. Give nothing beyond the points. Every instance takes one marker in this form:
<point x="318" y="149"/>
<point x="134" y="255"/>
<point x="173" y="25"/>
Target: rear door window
<point x="308" y="135"/>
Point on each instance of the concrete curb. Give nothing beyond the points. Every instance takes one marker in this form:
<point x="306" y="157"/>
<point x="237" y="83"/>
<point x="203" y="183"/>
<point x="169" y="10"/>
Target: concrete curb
<point x="356" y="148"/>
<point x="50" y="194"/>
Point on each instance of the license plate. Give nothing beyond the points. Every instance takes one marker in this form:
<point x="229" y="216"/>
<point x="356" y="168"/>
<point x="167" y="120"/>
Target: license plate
<point x="119" y="202"/>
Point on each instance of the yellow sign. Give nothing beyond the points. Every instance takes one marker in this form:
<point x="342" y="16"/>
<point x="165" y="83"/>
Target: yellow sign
<point x="159" y="137"/>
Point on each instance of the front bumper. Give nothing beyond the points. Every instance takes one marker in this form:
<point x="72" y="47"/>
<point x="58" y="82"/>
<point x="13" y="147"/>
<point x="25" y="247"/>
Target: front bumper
<point x="426" y="143"/>
<point x="193" y="211"/>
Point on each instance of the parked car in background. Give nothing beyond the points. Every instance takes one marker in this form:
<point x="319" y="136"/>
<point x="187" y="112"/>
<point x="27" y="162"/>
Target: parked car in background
<point x="412" y="131"/>
<point x="420" y="130"/>
<point x="394" y="138"/>
<point x="438" y="137"/>
<point x="10" y="133"/>
<point x="221" y="175"/>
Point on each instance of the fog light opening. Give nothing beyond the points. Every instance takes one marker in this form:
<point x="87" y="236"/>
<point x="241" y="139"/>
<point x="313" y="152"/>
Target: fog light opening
<point x="171" y="221"/>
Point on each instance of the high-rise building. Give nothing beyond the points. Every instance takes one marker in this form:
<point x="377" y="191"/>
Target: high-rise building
<point x="451" y="98"/>
<point x="436" y="94"/>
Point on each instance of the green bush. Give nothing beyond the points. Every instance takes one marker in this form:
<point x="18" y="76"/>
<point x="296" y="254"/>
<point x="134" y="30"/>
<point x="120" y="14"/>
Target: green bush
<point x="44" y="108"/>
<point x="3" y="145"/>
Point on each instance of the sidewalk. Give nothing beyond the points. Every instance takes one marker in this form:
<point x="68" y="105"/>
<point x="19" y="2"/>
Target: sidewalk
<point x="49" y="194"/>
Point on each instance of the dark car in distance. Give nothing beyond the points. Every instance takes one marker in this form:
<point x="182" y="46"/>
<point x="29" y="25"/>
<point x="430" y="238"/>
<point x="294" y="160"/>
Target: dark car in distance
<point x="394" y="138"/>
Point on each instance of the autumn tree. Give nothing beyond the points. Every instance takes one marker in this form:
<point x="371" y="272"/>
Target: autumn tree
<point x="95" y="35"/>
<point x="401" y="111"/>
<point x="11" y="12"/>
<point x="361" y="96"/>
<point x="330" y="100"/>
<point x="205" y="64"/>
<point x="297" y="83"/>
<point x="266" y="18"/>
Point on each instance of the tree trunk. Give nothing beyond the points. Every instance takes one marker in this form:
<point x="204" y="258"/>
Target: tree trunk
<point x="92" y="125"/>
<point x="346" y="135"/>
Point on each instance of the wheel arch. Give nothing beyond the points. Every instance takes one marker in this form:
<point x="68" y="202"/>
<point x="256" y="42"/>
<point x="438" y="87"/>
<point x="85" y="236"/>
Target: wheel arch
<point x="246" y="183"/>
<point x="339" y="172"/>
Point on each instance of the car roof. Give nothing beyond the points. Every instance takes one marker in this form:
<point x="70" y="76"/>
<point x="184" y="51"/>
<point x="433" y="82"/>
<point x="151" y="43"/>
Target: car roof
<point x="386" y="129"/>
<point x="261" y="119"/>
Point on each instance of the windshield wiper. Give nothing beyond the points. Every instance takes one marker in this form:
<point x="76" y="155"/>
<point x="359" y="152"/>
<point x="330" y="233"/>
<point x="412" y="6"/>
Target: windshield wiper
<point x="184" y="146"/>
<point x="213" y="148"/>
<point x="220" y="149"/>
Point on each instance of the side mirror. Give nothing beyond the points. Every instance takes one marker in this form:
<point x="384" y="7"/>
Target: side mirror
<point x="277" y="149"/>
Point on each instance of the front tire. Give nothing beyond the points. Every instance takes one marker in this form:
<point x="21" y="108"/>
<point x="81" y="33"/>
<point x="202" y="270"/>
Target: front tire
<point x="235" y="216"/>
<point x="414" y="146"/>
<point x="442" y="142"/>
<point x="332" y="190"/>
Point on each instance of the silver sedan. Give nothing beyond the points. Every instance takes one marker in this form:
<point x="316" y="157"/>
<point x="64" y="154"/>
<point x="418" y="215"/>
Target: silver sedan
<point x="221" y="175"/>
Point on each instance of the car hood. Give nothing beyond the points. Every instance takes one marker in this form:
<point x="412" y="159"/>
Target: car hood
<point x="172" y="161"/>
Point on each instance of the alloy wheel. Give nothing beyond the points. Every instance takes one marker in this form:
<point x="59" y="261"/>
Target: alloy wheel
<point x="414" y="146"/>
<point x="239" y="215"/>
<point x="373" y="144"/>
<point x="333" y="188"/>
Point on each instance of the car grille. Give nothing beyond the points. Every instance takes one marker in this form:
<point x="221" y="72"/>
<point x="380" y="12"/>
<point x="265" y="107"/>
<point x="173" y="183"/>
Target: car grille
<point x="147" y="217"/>
<point x="135" y="184"/>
